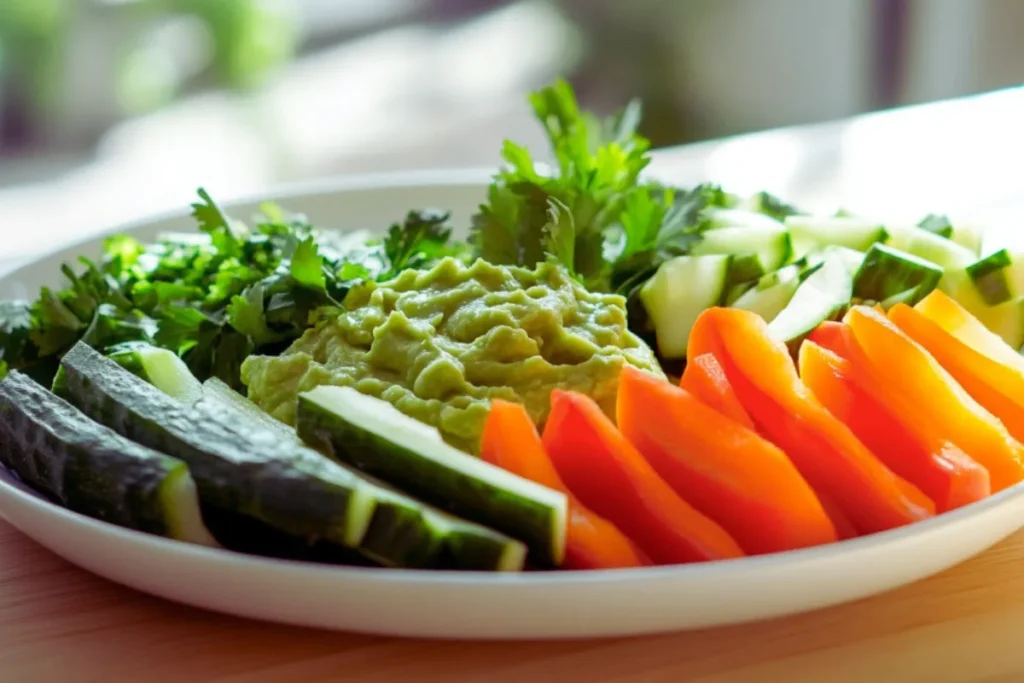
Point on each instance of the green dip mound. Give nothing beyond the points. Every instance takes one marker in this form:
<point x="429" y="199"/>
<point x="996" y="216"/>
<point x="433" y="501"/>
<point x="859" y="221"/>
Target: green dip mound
<point x="440" y="344"/>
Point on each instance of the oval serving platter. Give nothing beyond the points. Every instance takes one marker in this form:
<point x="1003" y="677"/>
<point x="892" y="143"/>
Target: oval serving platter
<point x="441" y="604"/>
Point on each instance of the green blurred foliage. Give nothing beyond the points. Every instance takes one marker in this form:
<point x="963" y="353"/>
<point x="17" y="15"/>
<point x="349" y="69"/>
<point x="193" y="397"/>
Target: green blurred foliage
<point x="249" y="39"/>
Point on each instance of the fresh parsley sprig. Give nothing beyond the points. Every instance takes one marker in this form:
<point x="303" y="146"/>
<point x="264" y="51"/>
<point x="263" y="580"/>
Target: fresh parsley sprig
<point x="593" y="214"/>
<point x="216" y="296"/>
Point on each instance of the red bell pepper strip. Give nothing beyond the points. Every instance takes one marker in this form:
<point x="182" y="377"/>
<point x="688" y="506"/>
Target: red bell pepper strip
<point x="607" y="474"/>
<point x="939" y="468"/>
<point x="725" y="470"/>
<point x="510" y="441"/>
<point x="825" y="451"/>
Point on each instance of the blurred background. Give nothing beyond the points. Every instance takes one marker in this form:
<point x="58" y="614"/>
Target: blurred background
<point x="112" y="109"/>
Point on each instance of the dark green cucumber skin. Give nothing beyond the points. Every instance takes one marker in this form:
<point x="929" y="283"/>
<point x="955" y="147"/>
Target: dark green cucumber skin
<point x="399" y="536"/>
<point x="250" y="536"/>
<point x="473" y="548"/>
<point x="989" y="278"/>
<point x="873" y="284"/>
<point x="83" y="465"/>
<point x="401" y="533"/>
<point x="236" y="468"/>
<point x="449" y="490"/>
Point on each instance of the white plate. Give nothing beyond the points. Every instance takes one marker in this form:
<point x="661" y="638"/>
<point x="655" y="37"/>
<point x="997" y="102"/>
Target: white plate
<point x="480" y="605"/>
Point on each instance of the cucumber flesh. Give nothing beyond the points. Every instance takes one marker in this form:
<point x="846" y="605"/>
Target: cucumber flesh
<point x="998" y="277"/>
<point x="824" y="295"/>
<point x="91" y="469"/>
<point x="770" y="244"/>
<point x="679" y="291"/>
<point x="887" y="273"/>
<point x="161" y="368"/>
<point x="447" y="541"/>
<point x="237" y="467"/>
<point x="810" y="233"/>
<point x="958" y="284"/>
<point x="927" y="245"/>
<point x="717" y="218"/>
<point x="372" y="435"/>
<point x="968" y="237"/>
<point x="772" y="293"/>
<point x="217" y="391"/>
<point x="1006" y="320"/>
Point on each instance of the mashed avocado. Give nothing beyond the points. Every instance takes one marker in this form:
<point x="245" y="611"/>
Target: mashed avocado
<point x="439" y="344"/>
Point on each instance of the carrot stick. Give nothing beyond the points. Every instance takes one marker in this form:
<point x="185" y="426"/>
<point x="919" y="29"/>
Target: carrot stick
<point x="903" y="376"/>
<point x="825" y="451"/>
<point x="998" y="387"/>
<point x="609" y="476"/>
<point x="510" y="441"/>
<point x="705" y="379"/>
<point x="724" y="469"/>
<point x="940" y="469"/>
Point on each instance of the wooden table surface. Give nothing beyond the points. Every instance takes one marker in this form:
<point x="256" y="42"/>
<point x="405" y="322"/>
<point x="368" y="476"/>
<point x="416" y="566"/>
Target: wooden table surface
<point x="59" y="624"/>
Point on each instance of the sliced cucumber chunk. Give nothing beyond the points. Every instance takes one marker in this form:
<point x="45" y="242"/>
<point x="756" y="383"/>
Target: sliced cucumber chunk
<point x="772" y="292"/>
<point x="937" y="224"/>
<point x="931" y="247"/>
<point x="217" y="391"/>
<point x="768" y="243"/>
<point x="374" y="436"/>
<point x="400" y="521"/>
<point x="161" y="368"/>
<point x="968" y="236"/>
<point x="998" y="277"/>
<point x="824" y="295"/>
<point x="238" y="468"/>
<point x="886" y="273"/>
<point x="740" y="218"/>
<point x="810" y="233"/>
<point x="681" y="289"/>
<point x="958" y="284"/>
<point x="92" y="470"/>
<point x="1006" y="320"/>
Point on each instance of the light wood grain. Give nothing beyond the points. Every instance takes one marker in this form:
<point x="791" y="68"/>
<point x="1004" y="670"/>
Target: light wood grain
<point x="59" y="624"/>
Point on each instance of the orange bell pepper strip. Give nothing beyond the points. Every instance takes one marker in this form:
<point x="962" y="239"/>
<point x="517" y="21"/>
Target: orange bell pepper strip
<point x="997" y="387"/>
<point x="705" y="379"/>
<point x="607" y="474"/>
<point x="942" y="309"/>
<point x="826" y="452"/>
<point x="510" y="441"/>
<point x="940" y="469"/>
<point x="725" y="470"/>
<point x="829" y="335"/>
<point x="911" y="383"/>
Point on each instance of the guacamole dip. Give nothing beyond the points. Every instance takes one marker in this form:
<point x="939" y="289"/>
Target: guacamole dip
<point x="438" y="344"/>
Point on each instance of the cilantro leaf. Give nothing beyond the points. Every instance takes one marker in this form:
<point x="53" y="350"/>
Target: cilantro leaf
<point x="246" y="315"/>
<point x="307" y="267"/>
<point x="422" y="237"/>
<point x="598" y="164"/>
<point x="560" y="234"/>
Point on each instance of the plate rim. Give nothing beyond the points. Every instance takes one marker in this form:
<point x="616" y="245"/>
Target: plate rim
<point x="522" y="580"/>
<point x="477" y="178"/>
